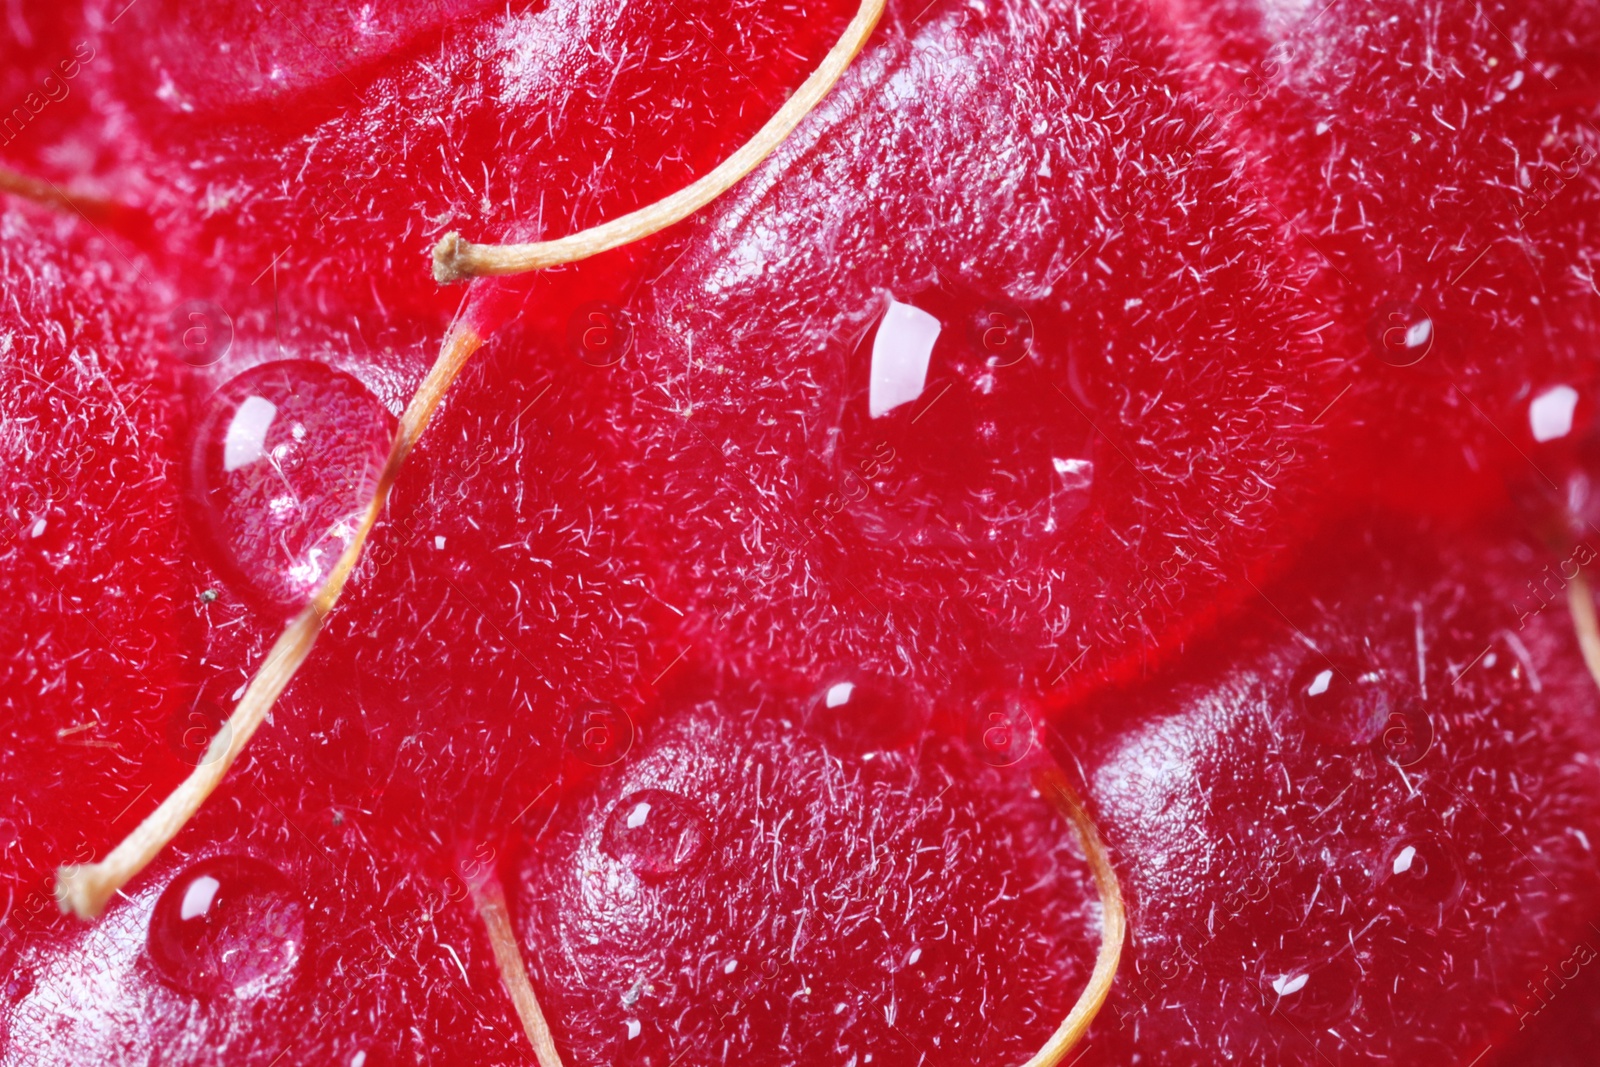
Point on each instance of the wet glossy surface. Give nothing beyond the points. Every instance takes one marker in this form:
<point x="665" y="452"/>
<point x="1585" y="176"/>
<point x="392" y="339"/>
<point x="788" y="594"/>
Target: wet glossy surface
<point x="739" y="583"/>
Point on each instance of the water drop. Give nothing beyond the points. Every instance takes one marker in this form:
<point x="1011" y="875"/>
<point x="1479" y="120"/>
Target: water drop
<point x="1400" y="333"/>
<point x="655" y="833"/>
<point x="17" y="984"/>
<point x="227" y="926"/>
<point x="1338" y="701"/>
<point x="1421" y="875"/>
<point x="286" y="457"/>
<point x="1002" y="728"/>
<point x="857" y="713"/>
<point x="1507" y="665"/>
<point x="952" y="434"/>
<point x="642" y="1043"/>
<point x="900" y="352"/>
<point x="1316" y="989"/>
<point x="599" y="733"/>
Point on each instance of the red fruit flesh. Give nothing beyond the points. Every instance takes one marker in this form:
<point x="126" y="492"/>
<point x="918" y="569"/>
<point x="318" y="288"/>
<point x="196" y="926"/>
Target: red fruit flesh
<point x="1262" y="802"/>
<point x="47" y="66"/>
<point x="1041" y="512"/>
<point x="1560" y="1018"/>
<point x="1202" y="409"/>
<point x="750" y="888"/>
<point x="1442" y="159"/>
<point x="102" y="615"/>
<point x="666" y="507"/>
<point x="530" y="120"/>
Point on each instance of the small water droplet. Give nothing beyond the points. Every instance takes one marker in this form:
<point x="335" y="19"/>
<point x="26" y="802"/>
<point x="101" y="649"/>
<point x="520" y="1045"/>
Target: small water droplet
<point x="642" y="1043"/>
<point x="1421" y="874"/>
<point x="655" y="833"/>
<point x="1400" y="333"/>
<point x="1338" y="701"/>
<point x="1002" y="729"/>
<point x="228" y="925"/>
<point x="1316" y="989"/>
<point x="18" y="984"/>
<point x="599" y="334"/>
<point x="286" y="457"/>
<point x="858" y="713"/>
<point x="599" y="733"/>
<point x="1507" y="665"/>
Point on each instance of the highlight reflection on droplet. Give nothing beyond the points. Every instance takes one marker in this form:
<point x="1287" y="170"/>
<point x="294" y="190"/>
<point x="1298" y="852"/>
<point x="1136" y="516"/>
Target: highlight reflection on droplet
<point x="656" y="833"/>
<point x="285" y="458"/>
<point x="227" y="926"/>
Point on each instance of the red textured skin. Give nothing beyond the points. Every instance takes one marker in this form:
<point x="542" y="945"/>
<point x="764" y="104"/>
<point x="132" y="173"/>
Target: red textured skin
<point x="1439" y="154"/>
<point x="1250" y="837"/>
<point x="826" y="870"/>
<point x="1209" y="401"/>
<point x="433" y="714"/>
<point x="48" y="66"/>
<point x="744" y="346"/>
<point x="1560" y="1019"/>
<point x="101" y="616"/>
<point x="533" y="119"/>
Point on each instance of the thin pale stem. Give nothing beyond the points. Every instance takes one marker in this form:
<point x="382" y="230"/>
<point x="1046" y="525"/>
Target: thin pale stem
<point x="455" y="259"/>
<point x="1580" y="602"/>
<point x="1113" y="926"/>
<point x="491" y="902"/>
<point x="51" y="195"/>
<point x="85" y="889"/>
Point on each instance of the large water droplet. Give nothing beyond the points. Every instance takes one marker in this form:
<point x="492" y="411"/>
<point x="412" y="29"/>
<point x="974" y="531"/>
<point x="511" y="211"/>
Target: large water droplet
<point x="1422" y="875"/>
<point x="655" y="833"/>
<point x="286" y="457"/>
<point x="858" y="713"/>
<point x="952" y="434"/>
<point x="1339" y="701"/>
<point x="228" y="925"/>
